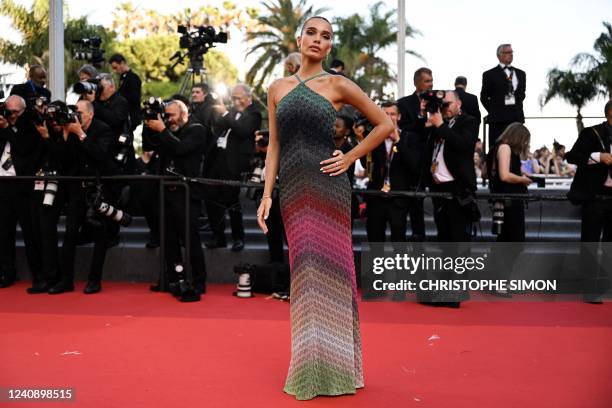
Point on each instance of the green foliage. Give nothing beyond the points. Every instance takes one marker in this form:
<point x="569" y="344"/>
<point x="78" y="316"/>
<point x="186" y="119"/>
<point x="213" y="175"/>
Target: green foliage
<point x="275" y="39"/>
<point x="600" y="64"/>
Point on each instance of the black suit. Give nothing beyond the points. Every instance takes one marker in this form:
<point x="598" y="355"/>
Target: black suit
<point x="452" y="217"/>
<point x="414" y="137"/>
<point x="89" y="157"/>
<point x="492" y="95"/>
<point x="393" y="210"/>
<point x="183" y="150"/>
<point x="469" y="105"/>
<point x="28" y="91"/>
<point x="131" y="89"/>
<point x="16" y="203"/>
<point x="596" y="213"/>
<point x="229" y="164"/>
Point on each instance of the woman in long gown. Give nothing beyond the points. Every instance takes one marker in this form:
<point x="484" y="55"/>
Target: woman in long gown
<point x="315" y="200"/>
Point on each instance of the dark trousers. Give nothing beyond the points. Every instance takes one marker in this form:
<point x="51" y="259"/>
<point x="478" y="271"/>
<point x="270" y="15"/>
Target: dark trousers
<point x="174" y="215"/>
<point x="417" y="217"/>
<point x="513" y="229"/>
<point x="44" y="220"/>
<point x="276" y="233"/>
<point x="596" y="227"/>
<point x="146" y="195"/>
<point x="452" y="220"/>
<point x="382" y="211"/>
<point x="495" y="130"/>
<point x="221" y="199"/>
<point x="16" y="207"/>
<point x="76" y="209"/>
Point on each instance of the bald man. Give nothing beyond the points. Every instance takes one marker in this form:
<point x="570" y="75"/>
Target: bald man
<point x="21" y="149"/>
<point x="180" y="142"/>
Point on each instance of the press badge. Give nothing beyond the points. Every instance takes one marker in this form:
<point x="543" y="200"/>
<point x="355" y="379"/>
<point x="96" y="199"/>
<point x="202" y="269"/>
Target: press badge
<point x="510" y="100"/>
<point x="222" y="141"/>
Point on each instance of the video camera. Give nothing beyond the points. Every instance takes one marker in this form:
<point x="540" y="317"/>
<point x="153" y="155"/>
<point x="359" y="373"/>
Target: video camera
<point x="152" y="108"/>
<point x="202" y="38"/>
<point x="434" y="100"/>
<point x="88" y="49"/>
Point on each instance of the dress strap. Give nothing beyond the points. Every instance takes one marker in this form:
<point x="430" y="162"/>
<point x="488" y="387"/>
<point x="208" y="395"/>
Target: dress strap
<point x="309" y="78"/>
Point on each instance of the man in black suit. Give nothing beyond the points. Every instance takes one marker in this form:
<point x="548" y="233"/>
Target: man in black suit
<point x="88" y="141"/>
<point x="130" y="87"/>
<point x="502" y="94"/>
<point x="388" y="171"/>
<point x="469" y="102"/>
<point x="231" y="159"/>
<point x="592" y="154"/>
<point x="180" y="144"/>
<point x="35" y="86"/>
<point x="20" y="149"/>
<point x="414" y="136"/>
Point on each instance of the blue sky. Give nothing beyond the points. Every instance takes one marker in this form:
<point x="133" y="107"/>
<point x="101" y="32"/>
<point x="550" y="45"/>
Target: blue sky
<point x="460" y="38"/>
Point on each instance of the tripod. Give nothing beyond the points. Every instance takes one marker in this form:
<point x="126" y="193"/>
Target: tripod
<point x="195" y="73"/>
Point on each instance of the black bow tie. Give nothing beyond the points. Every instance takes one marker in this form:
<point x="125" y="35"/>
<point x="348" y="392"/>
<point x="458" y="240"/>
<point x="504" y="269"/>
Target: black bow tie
<point x="510" y="67"/>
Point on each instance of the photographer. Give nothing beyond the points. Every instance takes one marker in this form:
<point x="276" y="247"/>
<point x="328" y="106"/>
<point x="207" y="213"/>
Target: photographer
<point x="592" y="189"/>
<point x="35" y="86"/>
<point x="180" y="143"/>
<point x="20" y="147"/>
<point x="411" y="123"/>
<point x="130" y="87"/>
<point x="87" y="142"/>
<point x="231" y="158"/>
<point x="504" y="164"/>
<point x="45" y="197"/>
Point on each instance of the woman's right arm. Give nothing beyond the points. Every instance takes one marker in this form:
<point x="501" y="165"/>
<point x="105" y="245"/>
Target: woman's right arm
<point x="503" y="161"/>
<point x="272" y="160"/>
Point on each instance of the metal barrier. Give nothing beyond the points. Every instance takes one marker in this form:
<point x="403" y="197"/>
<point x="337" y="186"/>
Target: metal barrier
<point x="183" y="182"/>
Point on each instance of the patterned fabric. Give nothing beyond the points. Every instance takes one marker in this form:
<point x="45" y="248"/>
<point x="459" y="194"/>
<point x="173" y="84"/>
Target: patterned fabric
<point x="316" y="210"/>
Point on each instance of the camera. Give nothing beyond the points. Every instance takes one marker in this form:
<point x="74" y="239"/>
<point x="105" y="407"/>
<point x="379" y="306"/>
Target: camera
<point x="125" y="142"/>
<point x="152" y="108"/>
<point x="265" y="140"/>
<point x="39" y="105"/>
<point x="97" y="204"/>
<point x="203" y="37"/>
<point x="88" y="49"/>
<point x="434" y="100"/>
<point x="60" y="114"/>
<point x="540" y="181"/>
<point x="88" y="87"/>
<point x="4" y="112"/>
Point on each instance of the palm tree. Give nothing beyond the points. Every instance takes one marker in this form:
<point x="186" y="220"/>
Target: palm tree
<point x="575" y="88"/>
<point x="277" y="36"/>
<point x="359" y="44"/>
<point x="600" y="64"/>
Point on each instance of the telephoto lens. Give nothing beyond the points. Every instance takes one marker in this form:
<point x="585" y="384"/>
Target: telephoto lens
<point x="498" y="218"/>
<point x="50" y="192"/>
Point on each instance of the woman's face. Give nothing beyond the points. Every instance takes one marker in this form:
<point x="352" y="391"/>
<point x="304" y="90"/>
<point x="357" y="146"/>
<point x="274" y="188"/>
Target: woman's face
<point x="316" y="39"/>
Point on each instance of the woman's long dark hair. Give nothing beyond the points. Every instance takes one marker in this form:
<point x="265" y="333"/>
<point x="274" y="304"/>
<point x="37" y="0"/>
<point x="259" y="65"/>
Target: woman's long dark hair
<point x="516" y="136"/>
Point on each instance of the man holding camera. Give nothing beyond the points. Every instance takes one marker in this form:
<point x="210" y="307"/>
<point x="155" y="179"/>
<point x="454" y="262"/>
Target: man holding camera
<point x="88" y="139"/>
<point x="592" y="189"/>
<point x="180" y="143"/>
<point x="130" y="87"/>
<point x="231" y="158"/>
<point x="21" y="148"/>
<point x="411" y="124"/>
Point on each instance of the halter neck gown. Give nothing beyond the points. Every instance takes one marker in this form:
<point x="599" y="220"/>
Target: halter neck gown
<point x="316" y="209"/>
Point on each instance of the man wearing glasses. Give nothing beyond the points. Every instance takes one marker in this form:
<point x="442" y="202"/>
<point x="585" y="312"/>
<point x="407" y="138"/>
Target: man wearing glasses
<point x="502" y="93"/>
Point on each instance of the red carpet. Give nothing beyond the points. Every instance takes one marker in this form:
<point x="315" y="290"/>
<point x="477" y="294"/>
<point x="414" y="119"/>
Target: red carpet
<point x="138" y="349"/>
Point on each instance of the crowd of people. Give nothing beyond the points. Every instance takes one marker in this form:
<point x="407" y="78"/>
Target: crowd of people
<point x="435" y="146"/>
